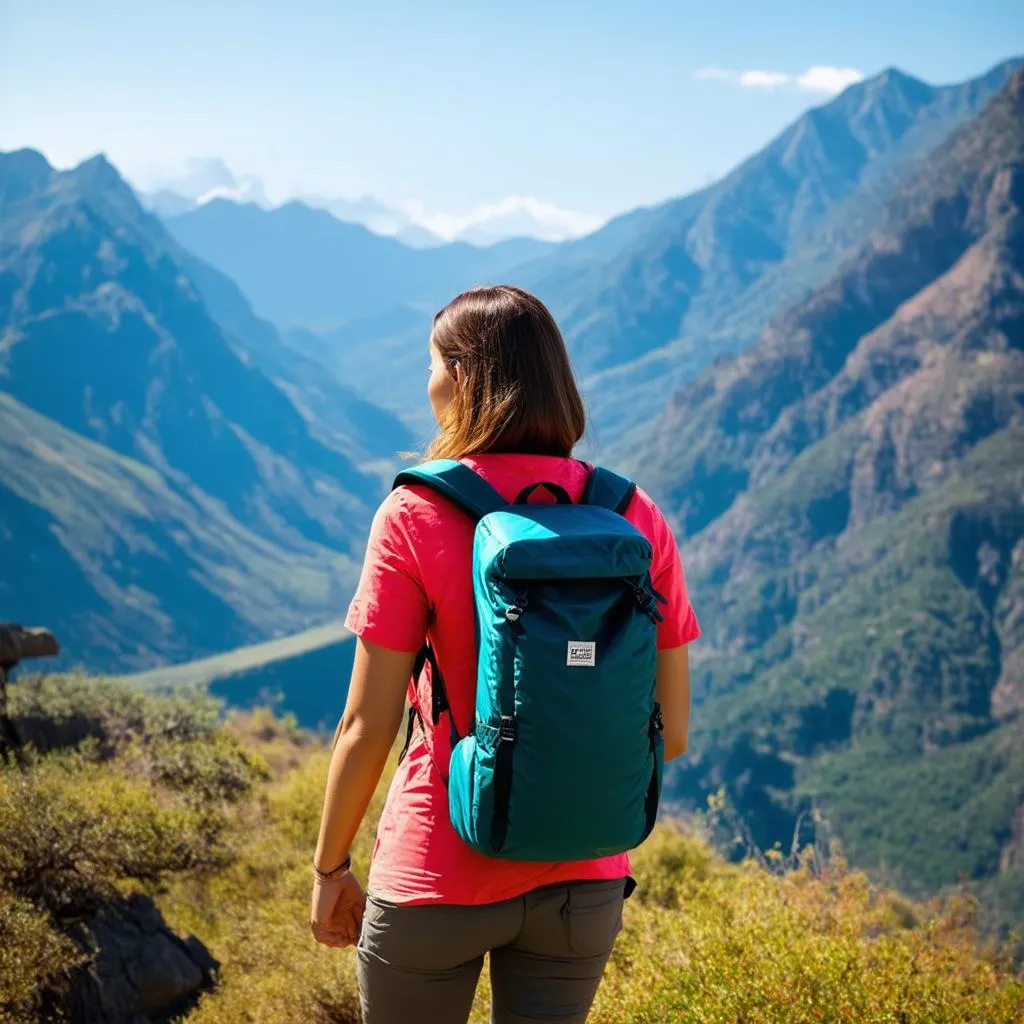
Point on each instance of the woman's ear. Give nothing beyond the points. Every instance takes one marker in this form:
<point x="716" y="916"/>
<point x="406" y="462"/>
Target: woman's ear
<point x="456" y="372"/>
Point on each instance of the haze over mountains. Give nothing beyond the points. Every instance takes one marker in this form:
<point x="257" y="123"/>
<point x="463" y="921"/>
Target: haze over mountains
<point x="302" y="267"/>
<point x="815" y="364"/>
<point x="201" y="181"/>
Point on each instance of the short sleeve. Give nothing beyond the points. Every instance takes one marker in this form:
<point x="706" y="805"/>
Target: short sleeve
<point x="390" y="607"/>
<point x="680" y="626"/>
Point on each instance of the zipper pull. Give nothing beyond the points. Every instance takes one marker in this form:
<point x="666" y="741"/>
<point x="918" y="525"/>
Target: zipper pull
<point x="516" y="610"/>
<point x="648" y="604"/>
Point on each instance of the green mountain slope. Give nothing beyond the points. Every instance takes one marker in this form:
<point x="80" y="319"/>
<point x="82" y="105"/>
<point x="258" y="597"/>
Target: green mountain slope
<point x="854" y="493"/>
<point x="181" y="501"/>
<point x="307" y="671"/>
<point x="131" y="566"/>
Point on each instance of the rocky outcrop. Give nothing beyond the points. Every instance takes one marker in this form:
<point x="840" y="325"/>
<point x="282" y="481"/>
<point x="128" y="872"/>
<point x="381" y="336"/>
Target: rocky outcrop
<point x="140" y="971"/>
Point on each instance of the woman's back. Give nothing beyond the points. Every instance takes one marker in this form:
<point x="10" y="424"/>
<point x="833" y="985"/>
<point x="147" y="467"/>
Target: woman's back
<point x="417" y="581"/>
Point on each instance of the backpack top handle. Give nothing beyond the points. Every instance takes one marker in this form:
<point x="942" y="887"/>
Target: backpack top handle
<point x="560" y="493"/>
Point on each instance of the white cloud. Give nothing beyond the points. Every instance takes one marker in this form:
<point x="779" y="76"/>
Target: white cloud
<point x="764" y="79"/>
<point x="513" y="215"/>
<point x="827" y="79"/>
<point x="246" y="189"/>
<point x="823" y="79"/>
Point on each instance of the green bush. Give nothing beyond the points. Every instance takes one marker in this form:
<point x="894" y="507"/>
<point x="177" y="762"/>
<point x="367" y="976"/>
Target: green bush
<point x="144" y="795"/>
<point x="75" y="830"/>
<point x="116" y="714"/>
<point x="33" y="957"/>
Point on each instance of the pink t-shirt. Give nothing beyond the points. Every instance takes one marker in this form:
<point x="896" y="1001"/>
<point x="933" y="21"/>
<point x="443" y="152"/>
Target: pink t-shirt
<point x="416" y="583"/>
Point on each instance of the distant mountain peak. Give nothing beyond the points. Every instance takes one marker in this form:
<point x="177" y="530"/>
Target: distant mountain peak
<point x="24" y="158"/>
<point x="98" y="174"/>
<point x="23" y="172"/>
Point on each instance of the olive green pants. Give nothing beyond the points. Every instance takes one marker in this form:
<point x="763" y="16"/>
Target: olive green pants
<point x="420" y="965"/>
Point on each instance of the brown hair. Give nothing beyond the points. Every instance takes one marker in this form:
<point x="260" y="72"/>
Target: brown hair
<point x="517" y="392"/>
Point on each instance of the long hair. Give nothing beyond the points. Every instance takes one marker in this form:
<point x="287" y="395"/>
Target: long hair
<point x="517" y="392"/>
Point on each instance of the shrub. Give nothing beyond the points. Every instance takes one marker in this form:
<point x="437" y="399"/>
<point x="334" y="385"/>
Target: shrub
<point x="75" y="830"/>
<point x="33" y="958"/>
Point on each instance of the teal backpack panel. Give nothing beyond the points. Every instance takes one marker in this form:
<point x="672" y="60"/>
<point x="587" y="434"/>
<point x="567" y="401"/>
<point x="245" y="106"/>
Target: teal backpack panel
<point x="564" y="760"/>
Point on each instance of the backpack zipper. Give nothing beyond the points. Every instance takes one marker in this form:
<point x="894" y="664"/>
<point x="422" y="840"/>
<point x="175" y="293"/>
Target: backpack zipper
<point x="655" y="726"/>
<point x="647" y="600"/>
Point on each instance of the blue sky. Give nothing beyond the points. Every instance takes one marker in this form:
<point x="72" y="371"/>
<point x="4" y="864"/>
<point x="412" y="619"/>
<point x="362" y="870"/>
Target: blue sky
<point x="593" y="107"/>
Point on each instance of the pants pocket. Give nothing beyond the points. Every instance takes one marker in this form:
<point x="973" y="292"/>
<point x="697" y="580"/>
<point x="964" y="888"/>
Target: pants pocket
<point x="593" y="913"/>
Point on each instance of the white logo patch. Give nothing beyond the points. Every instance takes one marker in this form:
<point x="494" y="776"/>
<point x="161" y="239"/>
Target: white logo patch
<point x="581" y="653"/>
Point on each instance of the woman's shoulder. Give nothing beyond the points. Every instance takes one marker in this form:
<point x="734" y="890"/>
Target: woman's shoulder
<point x="411" y="506"/>
<point x="645" y="513"/>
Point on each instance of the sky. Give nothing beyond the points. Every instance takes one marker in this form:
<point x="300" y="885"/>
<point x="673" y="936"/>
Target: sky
<point x="447" y="108"/>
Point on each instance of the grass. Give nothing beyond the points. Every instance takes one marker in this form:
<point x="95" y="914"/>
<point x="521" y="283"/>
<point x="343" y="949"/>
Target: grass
<point x="771" y="940"/>
<point x="148" y="569"/>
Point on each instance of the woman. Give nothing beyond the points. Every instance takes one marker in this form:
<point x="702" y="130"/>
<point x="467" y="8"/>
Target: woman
<point x="506" y="403"/>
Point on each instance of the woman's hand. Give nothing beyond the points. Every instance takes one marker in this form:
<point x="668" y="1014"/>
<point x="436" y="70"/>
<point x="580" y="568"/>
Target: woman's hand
<point x="337" y="912"/>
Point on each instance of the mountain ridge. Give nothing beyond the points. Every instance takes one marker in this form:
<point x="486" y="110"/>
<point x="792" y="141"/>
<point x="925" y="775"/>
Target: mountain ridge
<point x="105" y="341"/>
<point x="853" y="497"/>
<point x="302" y="267"/>
<point x="737" y="251"/>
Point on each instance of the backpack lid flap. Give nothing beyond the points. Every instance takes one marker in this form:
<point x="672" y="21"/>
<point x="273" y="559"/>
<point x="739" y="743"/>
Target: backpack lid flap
<point x="538" y="542"/>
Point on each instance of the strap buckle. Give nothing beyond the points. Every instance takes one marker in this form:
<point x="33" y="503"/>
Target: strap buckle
<point x="507" y="729"/>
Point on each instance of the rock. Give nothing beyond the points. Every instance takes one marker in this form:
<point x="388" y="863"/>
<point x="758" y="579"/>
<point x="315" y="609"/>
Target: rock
<point x="140" y="968"/>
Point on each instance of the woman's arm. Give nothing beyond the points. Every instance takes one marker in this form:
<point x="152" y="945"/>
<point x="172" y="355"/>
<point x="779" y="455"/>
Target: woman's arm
<point x="373" y="713"/>
<point x="673" y="694"/>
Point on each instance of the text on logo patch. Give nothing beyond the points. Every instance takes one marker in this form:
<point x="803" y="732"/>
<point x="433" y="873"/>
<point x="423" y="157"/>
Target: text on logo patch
<point x="581" y="653"/>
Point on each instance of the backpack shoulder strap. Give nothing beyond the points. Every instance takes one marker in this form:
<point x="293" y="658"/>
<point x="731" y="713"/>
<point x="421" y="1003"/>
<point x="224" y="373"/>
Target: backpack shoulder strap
<point x="458" y="483"/>
<point x="608" y="490"/>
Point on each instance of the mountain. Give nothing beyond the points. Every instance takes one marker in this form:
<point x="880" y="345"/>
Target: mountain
<point x="301" y="267"/>
<point x="396" y="338"/>
<point x="651" y="299"/>
<point x="133" y="566"/>
<point x="338" y="413"/>
<point x="182" y="501"/>
<point x="853" y="493"/>
<point x="378" y="217"/>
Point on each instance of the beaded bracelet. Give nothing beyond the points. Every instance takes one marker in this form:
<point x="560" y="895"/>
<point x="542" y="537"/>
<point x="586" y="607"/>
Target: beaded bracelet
<point x="336" y="873"/>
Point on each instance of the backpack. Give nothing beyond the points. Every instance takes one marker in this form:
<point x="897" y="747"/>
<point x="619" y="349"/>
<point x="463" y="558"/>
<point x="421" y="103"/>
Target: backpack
<point x="564" y="758"/>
